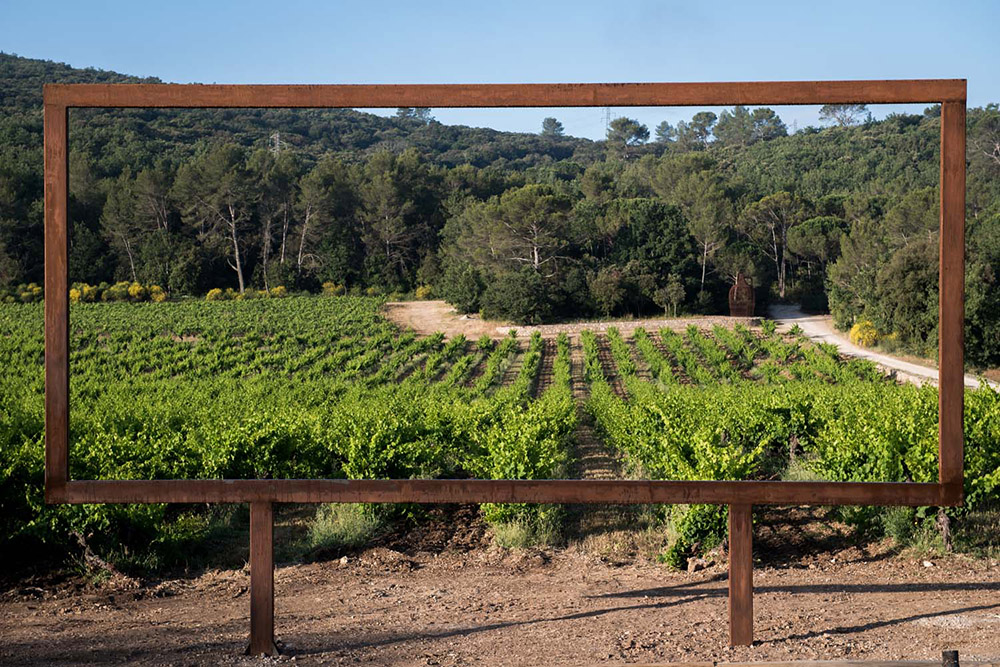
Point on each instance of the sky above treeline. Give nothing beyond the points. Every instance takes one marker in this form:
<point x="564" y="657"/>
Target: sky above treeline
<point x="188" y="41"/>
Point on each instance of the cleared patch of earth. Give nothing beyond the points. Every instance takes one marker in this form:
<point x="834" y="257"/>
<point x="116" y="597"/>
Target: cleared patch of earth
<point x="427" y="317"/>
<point x="537" y="607"/>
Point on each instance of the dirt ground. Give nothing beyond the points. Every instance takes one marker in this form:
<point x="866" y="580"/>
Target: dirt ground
<point x="469" y="603"/>
<point x="427" y="317"/>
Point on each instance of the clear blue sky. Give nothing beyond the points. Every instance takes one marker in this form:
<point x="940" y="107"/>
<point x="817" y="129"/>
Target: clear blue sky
<point x="452" y="42"/>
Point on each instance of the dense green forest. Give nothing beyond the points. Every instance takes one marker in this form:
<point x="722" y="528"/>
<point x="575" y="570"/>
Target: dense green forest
<point x="523" y="226"/>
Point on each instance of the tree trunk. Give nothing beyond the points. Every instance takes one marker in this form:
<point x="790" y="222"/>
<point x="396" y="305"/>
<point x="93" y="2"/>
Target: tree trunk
<point x="131" y="260"/>
<point x="302" y="241"/>
<point x="284" y="234"/>
<point x="236" y="252"/>
<point x="704" y="261"/>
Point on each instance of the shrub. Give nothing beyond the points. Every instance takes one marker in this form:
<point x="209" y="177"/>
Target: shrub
<point x="519" y="296"/>
<point x="333" y="289"/>
<point x="74" y="295"/>
<point x="424" y="292"/>
<point x="278" y="292"/>
<point x="156" y="294"/>
<point x="215" y="294"/>
<point x="137" y="292"/>
<point x="462" y="286"/>
<point x="117" y="292"/>
<point x="29" y="293"/>
<point x="863" y="333"/>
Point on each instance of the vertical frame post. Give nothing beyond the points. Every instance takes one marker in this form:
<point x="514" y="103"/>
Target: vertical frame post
<point x="951" y="305"/>
<point x="262" y="579"/>
<point x="740" y="575"/>
<point x="56" y="301"/>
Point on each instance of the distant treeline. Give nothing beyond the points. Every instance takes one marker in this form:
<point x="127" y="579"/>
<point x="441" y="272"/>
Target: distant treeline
<point x="522" y="226"/>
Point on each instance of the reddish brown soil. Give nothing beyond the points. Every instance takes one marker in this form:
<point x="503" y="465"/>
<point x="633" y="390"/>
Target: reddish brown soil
<point x="464" y="603"/>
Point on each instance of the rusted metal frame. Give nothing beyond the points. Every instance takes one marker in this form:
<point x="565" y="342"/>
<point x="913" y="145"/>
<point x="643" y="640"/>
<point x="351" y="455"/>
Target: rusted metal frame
<point x="503" y="491"/>
<point x="262" y="579"/>
<point x="56" y="300"/>
<point x="58" y="97"/>
<point x="740" y="575"/>
<point x="739" y="495"/>
<point x="951" y="300"/>
<point x="507" y="95"/>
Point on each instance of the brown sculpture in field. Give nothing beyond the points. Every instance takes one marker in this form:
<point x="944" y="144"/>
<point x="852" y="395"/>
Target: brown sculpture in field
<point x="741" y="299"/>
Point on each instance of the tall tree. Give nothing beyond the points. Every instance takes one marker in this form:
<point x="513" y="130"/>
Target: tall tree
<point x="624" y="134"/>
<point x="766" y="224"/>
<point x="551" y="128"/>
<point x="708" y="212"/>
<point x="276" y="176"/>
<point x="527" y="227"/>
<point x="665" y="133"/>
<point x="152" y="189"/>
<point x="843" y="115"/>
<point x="742" y="127"/>
<point x="696" y="134"/>
<point x="217" y="197"/>
<point x="118" y="220"/>
<point x="421" y="114"/>
<point x="327" y="236"/>
<point x="734" y="128"/>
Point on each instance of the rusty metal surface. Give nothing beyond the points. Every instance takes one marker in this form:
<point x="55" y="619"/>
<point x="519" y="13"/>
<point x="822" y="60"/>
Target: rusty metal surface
<point x="951" y="301"/>
<point x="135" y="95"/>
<point x="58" y="97"/>
<point x="503" y="491"/>
<point x="741" y="297"/>
<point x="56" y="298"/>
<point x="739" y="495"/>
<point x="740" y="575"/>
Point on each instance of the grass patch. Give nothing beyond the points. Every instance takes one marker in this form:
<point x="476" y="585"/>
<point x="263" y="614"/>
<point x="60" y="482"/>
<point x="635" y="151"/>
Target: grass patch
<point x="342" y="526"/>
<point x="541" y="529"/>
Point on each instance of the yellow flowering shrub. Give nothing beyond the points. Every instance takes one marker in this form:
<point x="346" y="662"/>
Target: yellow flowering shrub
<point x="215" y="294"/>
<point x="863" y="333"/>
<point x="424" y="292"/>
<point x="279" y="292"/>
<point x="157" y="294"/>
<point x="74" y="295"/>
<point x="136" y="292"/>
<point x="333" y="289"/>
<point x="29" y="293"/>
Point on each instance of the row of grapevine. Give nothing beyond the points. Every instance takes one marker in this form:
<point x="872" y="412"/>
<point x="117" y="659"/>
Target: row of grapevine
<point x="289" y="388"/>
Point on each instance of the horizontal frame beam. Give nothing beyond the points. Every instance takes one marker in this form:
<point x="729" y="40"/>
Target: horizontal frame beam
<point x="145" y="95"/>
<point x="561" y="491"/>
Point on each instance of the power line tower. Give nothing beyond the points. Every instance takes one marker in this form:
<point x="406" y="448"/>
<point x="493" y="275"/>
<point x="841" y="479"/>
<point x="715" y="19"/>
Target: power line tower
<point x="275" y="144"/>
<point x="607" y="120"/>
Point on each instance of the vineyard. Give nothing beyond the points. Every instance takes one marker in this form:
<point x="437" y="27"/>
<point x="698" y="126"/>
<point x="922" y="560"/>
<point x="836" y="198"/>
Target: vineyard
<point x="294" y="388"/>
<point x="326" y="387"/>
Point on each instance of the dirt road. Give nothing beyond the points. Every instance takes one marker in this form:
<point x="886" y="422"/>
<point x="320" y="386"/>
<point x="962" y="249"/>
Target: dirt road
<point x="820" y="328"/>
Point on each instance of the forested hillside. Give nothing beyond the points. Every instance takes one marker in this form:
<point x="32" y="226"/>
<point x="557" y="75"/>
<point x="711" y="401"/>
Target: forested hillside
<point x="525" y="226"/>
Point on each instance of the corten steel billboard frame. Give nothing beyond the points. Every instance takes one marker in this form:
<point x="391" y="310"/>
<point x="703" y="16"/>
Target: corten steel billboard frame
<point x="739" y="495"/>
